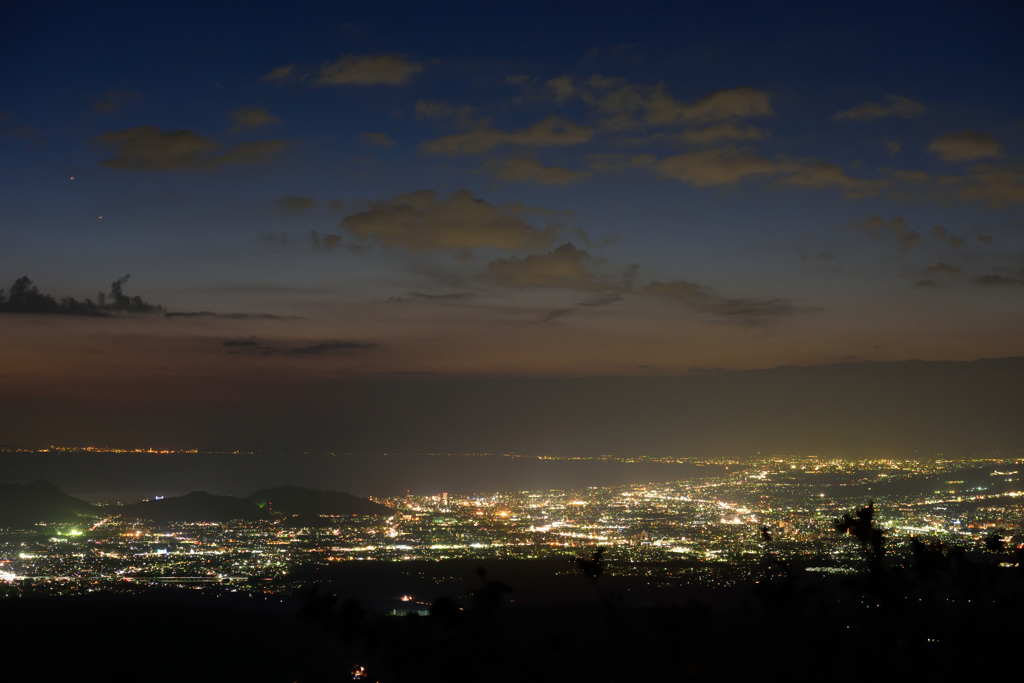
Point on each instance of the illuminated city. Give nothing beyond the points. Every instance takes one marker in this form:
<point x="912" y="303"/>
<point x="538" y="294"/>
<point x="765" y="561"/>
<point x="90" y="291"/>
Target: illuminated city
<point x="706" y="531"/>
<point x="490" y="342"/>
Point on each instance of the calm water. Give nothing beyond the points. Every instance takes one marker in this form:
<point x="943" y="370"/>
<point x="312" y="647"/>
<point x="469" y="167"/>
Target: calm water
<point x="121" y="476"/>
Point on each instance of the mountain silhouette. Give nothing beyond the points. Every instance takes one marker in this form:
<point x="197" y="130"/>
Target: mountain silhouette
<point x="40" y="502"/>
<point x="299" y="500"/>
<point x="198" y="506"/>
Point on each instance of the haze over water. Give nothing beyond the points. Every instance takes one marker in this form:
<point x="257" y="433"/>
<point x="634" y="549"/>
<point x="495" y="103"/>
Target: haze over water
<point x="126" y="476"/>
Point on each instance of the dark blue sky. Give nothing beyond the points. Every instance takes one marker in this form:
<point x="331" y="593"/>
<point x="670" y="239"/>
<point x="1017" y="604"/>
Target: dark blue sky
<point x="404" y="190"/>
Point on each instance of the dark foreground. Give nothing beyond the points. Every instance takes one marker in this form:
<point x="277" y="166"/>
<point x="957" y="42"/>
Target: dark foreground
<point x="947" y="614"/>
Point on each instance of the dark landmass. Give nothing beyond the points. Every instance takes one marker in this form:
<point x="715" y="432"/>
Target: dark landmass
<point x="162" y="637"/>
<point x="945" y="614"/>
<point x="299" y="500"/>
<point x="198" y="506"/>
<point x="40" y="501"/>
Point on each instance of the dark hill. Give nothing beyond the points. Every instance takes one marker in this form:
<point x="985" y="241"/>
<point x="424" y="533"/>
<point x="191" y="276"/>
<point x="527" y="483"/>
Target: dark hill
<point x="198" y="506"/>
<point x="40" y="501"/>
<point x="298" y="500"/>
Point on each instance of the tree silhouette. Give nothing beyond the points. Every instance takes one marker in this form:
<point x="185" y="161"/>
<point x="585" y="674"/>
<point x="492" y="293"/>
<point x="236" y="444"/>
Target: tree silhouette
<point x="862" y="527"/>
<point x="594" y="567"/>
<point x="994" y="542"/>
<point x="25" y="297"/>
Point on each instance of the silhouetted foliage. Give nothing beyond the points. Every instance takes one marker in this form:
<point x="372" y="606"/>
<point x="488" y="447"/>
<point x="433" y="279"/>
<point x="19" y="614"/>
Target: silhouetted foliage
<point x="994" y="542"/>
<point x="487" y="599"/>
<point x="594" y="567"/>
<point x="446" y="611"/>
<point x="25" y="297"/>
<point x="862" y="527"/>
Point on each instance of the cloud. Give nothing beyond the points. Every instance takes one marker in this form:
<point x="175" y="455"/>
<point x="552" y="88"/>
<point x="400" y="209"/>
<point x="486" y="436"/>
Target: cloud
<point x="378" y="139"/>
<point x="662" y="108"/>
<point x="257" y="348"/>
<point x="464" y="115"/>
<point x="594" y="301"/>
<point x="891" y="105"/>
<point x="966" y="146"/>
<point x="630" y="105"/>
<point x="328" y="347"/>
<point x="368" y="70"/>
<point x="876" y="226"/>
<point x="812" y="173"/>
<point x="996" y="280"/>
<point x="279" y="74"/>
<point x="551" y="131"/>
<point x="728" y="165"/>
<point x="893" y="146"/>
<point x="247" y="153"/>
<point x="998" y="185"/>
<point x="251" y="118"/>
<point x="711" y="167"/>
<point x="610" y="161"/>
<point x="325" y="242"/>
<point x="676" y="289"/>
<point x="563" y="267"/>
<point x="821" y="255"/>
<point x="944" y="268"/>
<point x="115" y="100"/>
<point x="147" y="148"/>
<point x="562" y="87"/>
<point x="297" y="203"/>
<point x="598" y="300"/>
<point x="985" y="239"/>
<point x="524" y="169"/>
<point x="422" y="222"/>
<point x="910" y="239"/>
<point x="557" y="313"/>
<point x="230" y="316"/>
<point x="450" y="296"/>
<point x="752" y="311"/>
<point x="724" y="131"/>
<point x="940" y="233"/>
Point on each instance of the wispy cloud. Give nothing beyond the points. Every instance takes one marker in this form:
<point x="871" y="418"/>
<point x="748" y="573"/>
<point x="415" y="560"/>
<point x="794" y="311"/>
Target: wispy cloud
<point x="420" y="221"/>
<point x="890" y="106"/>
<point x="563" y="268"/>
<point x="147" y="148"/>
<point x="259" y="348"/>
<point x="368" y="70"/>
<point x="526" y="169"/>
<point x="551" y="131"/>
<point x="251" y="118"/>
<point x="966" y="146"/>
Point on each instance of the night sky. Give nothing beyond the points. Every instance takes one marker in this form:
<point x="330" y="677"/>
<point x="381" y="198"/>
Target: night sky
<point x="531" y="226"/>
